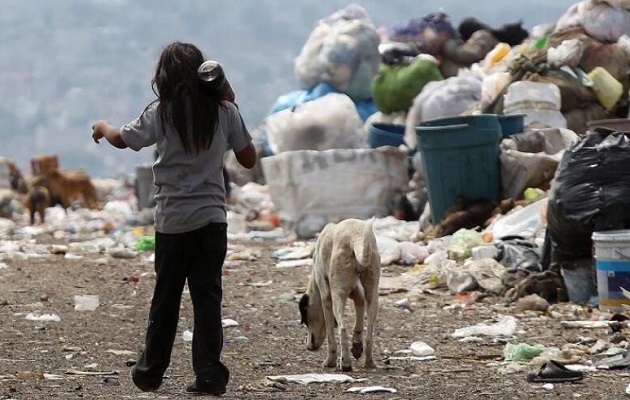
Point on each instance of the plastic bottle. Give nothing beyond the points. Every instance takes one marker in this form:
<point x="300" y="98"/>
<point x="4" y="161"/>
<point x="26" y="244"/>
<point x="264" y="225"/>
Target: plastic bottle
<point x="499" y="52"/>
<point x="607" y="89"/>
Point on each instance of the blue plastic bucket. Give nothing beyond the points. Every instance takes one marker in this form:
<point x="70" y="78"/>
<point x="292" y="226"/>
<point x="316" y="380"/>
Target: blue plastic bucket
<point x="482" y="121"/>
<point x="460" y="159"/>
<point x="612" y="255"/>
<point x="380" y="134"/>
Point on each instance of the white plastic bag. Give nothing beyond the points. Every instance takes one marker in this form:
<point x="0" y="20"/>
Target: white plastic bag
<point x="342" y="50"/>
<point x="569" y="53"/>
<point x="606" y="21"/>
<point x="445" y="98"/>
<point x="329" y="122"/>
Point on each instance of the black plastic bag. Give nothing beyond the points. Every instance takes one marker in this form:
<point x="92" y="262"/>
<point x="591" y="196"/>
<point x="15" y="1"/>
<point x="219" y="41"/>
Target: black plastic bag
<point x="591" y="192"/>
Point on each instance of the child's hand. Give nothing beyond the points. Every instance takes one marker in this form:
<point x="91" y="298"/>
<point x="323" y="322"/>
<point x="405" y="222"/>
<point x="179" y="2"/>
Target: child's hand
<point x="98" y="131"/>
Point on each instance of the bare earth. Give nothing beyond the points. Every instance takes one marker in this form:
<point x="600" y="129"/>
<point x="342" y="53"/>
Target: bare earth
<point x="269" y="340"/>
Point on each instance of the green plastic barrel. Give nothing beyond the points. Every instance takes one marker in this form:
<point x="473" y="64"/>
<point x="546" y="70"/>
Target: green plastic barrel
<point x="460" y="156"/>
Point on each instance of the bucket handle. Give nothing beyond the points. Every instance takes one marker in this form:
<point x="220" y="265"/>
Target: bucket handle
<point x="619" y="253"/>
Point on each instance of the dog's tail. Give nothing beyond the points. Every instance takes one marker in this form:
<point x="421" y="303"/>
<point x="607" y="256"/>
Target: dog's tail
<point x="364" y="248"/>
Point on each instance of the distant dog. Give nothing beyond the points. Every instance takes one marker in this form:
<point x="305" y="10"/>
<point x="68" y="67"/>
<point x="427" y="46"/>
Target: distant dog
<point x="346" y="263"/>
<point x="37" y="199"/>
<point x="67" y="187"/>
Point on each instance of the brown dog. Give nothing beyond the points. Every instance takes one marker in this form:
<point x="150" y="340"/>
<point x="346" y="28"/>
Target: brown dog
<point x="346" y="264"/>
<point x="67" y="187"/>
<point x="37" y="199"/>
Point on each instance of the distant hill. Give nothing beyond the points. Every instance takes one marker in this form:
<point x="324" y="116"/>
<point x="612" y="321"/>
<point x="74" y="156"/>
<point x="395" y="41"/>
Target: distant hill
<point x="66" y="63"/>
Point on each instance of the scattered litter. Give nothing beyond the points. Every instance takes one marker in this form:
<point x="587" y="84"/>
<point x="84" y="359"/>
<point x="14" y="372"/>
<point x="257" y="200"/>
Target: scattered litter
<point x="3" y="266"/>
<point x="42" y="317"/>
<point x="187" y="335"/>
<point x="293" y="253"/>
<point x="506" y="326"/>
<point x="521" y="351"/>
<point x="90" y="373"/>
<point x="548" y="386"/>
<point x="28" y="375"/>
<point x="589" y="324"/>
<point x="121" y="352"/>
<point x="52" y="377"/>
<point x="122" y="252"/>
<point x="295" y="263"/>
<point x="110" y="381"/>
<point x="226" y="323"/>
<point x="371" y="389"/>
<point x="241" y="256"/>
<point x="86" y="302"/>
<point x="261" y="284"/>
<point x="58" y="249"/>
<point x="421" y="349"/>
<point x="413" y="358"/>
<point x="305" y="379"/>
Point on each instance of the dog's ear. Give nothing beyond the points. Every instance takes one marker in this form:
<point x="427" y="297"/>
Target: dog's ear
<point x="304" y="309"/>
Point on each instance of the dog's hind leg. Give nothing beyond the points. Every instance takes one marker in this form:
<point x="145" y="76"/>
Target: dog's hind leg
<point x="357" y="335"/>
<point x="370" y="286"/>
<point x="329" y="320"/>
<point x="339" y="306"/>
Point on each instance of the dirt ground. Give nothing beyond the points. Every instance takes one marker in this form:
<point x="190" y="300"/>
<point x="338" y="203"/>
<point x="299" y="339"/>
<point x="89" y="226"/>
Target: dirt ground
<point x="87" y="354"/>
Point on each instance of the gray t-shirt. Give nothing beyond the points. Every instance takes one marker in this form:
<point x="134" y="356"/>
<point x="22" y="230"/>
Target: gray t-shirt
<point x="190" y="189"/>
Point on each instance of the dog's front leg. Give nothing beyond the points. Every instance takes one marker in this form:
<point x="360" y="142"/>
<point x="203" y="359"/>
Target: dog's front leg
<point x="329" y="320"/>
<point x="339" y="306"/>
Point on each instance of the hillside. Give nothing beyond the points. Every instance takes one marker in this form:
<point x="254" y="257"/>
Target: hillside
<point x="66" y="63"/>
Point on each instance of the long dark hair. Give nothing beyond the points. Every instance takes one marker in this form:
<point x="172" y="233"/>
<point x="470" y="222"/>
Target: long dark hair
<point x="183" y="103"/>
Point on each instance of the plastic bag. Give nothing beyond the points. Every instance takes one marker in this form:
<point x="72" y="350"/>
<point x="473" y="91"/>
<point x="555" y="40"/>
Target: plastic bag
<point x="342" y="50"/>
<point x="427" y="33"/>
<point x="329" y="122"/>
<point x="598" y="18"/>
<point x="445" y="98"/>
<point x="521" y="351"/>
<point x="463" y="242"/>
<point x="591" y="193"/>
<point x="395" y="86"/>
<point x="569" y="53"/>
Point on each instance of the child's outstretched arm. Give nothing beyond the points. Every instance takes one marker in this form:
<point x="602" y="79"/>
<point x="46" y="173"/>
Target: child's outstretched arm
<point x="103" y="129"/>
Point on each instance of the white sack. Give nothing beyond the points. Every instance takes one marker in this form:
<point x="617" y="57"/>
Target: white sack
<point x="310" y="188"/>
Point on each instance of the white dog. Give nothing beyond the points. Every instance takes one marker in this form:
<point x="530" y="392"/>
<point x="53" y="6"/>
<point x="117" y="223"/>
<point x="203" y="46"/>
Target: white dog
<point x="346" y="263"/>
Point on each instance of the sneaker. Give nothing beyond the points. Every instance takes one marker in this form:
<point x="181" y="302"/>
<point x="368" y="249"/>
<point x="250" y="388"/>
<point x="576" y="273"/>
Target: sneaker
<point x="207" y="387"/>
<point x="144" y="386"/>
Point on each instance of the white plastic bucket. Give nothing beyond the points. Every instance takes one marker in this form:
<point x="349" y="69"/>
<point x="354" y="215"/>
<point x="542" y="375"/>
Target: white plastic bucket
<point x="612" y="254"/>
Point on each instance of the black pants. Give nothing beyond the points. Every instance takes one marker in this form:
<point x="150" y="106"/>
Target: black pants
<point x="197" y="256"/>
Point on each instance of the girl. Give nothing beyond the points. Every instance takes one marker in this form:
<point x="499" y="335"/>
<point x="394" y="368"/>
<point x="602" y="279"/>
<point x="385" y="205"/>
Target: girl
<point x="192" y="127"/>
